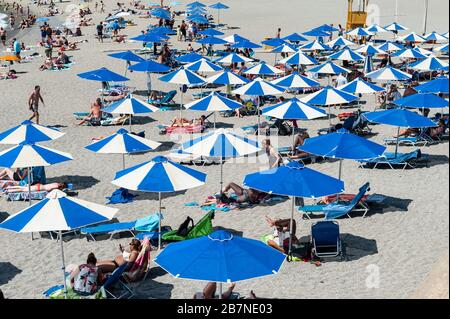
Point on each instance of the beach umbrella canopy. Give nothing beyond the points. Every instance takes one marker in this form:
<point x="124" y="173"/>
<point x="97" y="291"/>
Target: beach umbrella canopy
<point x="315" y="46"/>
<point x="182" y="76"/>
<point x="412" y="37"/>
<point x="359" y="86"/>
<point x="215" y="102"/>
<point x="340" y="42"/>
<point x="434" y="36"/>
<point x="346" y="55"/>
<point x="235" y="38"/>
<point x="198" y="19"/>
<point x="295" y="80"/>
<point x="329" y="68"/>
<point x="127" y="56"/>
<point x="329" y="96"/>
<point x="326" y="28"/>
<point x="212" y="40"/>
<point x="211" y="32"/>
<point x="294" y="110"/>
<point x="443" y="48"/>
<point x="161" y="30"/>
<point x="409" y="54"/>
<point x="368" y="64"/>
<point x="227" y="78"/>
<point x="203" y="65"/>
<point x="360" y="32"/>
<point x="295" y="37"/>
<point x="316" y="33"/>
<point x="369" y="49"/>
<point x="275" y="42"/>
<point x="31" y="132"/>
<point x="220" y="257"/>
<point x="151" y="38"/>
<point x="42" y="19"/>
<point x="284" y="48"/>
<point x="429" y="64"/>
<point x="263" y="69"/>
<point x="9" y="58"/>
<point x="389" y="74"/>
<point x="149" y="66"/>
<point x="399" y="117"/>
<point x="233" y="58"/>
<point x="58" y="212"/>
<point x="299" y="58"/>
<point x="196" y="10"/>
<point x="395" y="27"/>
<point x="438" y="86"/>
<point x="219" y="6"/>
<point x="391" y="47"/>
<point x="259" y="87"/>
<point x="161" y="13"/>
<point x="122" y="142"/>
<point x="422" y="100"/>
<point x="375" y="28"/>
<point x="130" y="105"/>
<point x="190" y="57"/>
<point x="245" y="44"/>
<point x="102" y="75"/>
<point x="28" y="154"/>
<point x="196" y="4"/>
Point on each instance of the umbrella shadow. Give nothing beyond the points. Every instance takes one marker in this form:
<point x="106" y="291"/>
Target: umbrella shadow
<point x="7" y="272"/>
<point x="356" y="247"/>
<point x="80" y="182"/>
<point x="438" y="160"/>
<point x="57" y="126"/>
<point x="3" y="216"/>
<point x="141" y="120"/>
<point x="231" y="230"/>
<point x="219" y="125"/>
<point x="154" y="196"/>
<point x="390" y="205"/>
<point x="151" y="289"/>
<point x="166" y="146"/>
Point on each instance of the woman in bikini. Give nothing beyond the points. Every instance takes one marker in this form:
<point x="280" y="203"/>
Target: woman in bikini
<point x="36" y="188"/>
<point x="108" y="266"/>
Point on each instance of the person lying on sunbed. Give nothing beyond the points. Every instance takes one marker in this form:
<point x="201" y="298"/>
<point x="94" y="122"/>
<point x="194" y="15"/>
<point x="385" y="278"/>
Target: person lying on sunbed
<point x="11" y="74"/>
<point x="108" y="266"/>
<point x="433" y="132"/>
<point x="8" y="177"/>
<point x="36" y="188"/>
<point x="95" y="114"/>
<point x="280" y="238"/>
<point x="86" y="278"/>
<point x="249" y="195"/>
<point x="182" y="122"/>
<point x="299" y="141"/>
<point x="115" y="96"/>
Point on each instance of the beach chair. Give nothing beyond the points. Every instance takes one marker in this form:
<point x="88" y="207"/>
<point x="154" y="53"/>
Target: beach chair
<point x="202" y="228"/>
<point x="166" y="100"/>
<point x="422" y="139"/>
<point x="402" y="160"/>
<point x="146" y="224"/>
<point x="115" y="284"/>
<point x="339" y="208"/>
<point x="326" y="239"/>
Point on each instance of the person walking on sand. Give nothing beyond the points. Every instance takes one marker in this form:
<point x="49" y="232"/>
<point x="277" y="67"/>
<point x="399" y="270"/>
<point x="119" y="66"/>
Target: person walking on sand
<point x="3" y="36"/>
<point x="33" y="103"/>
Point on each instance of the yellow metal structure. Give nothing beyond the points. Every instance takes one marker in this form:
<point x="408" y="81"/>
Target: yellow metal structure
<point x="357" y="17"/>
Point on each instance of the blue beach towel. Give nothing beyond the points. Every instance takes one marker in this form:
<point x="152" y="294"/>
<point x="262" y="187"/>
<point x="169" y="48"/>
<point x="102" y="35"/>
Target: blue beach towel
<point x="120" y="196"/>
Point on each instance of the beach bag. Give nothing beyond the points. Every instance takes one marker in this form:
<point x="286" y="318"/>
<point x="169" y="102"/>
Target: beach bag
<point x="184" y="228"/>
<point x="86" y="280"/>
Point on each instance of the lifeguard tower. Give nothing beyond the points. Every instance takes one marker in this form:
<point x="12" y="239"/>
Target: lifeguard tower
<point x="357" y="14"/>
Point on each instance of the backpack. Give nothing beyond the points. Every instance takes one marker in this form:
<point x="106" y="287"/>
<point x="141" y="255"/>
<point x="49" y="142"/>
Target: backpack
<point x="86" y="280"/>
<point x="184" y="228"/>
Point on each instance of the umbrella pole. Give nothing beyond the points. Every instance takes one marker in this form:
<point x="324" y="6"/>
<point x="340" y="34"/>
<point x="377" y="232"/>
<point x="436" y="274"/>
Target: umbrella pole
<point x="159" y="229"/>
<point x="329" y="118"/>
<point x="181" y="103"/>
<point x="291" y="224"/>
<point x="220" y="290"/>
<point x="259" y="116"/>
<point x="123" y="161"/>
<point x="221" y="174"/>
<point x="63" y="265"/>
<point x="130" y="121"/>
<point x="29" y="193"/>
<point x="214" y="120"/>
<point x="398" y="141"/>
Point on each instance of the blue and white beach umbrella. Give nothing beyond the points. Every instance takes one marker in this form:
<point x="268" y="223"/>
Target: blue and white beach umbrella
<point x="31" y="132"/>
<point x="389" y="74"/>
<point x="275" y="42"/>
<point x="329" y="68"/>
<point x="227" y="78"/>
<point x="159" y="176"/>
<point x="294" y="109"/>
<point x="315" y="46"/>
<point x="409" y="54"/>
<point x="438" y="86"/>
<point x="190" y="57"/>
<point x="395" y="27"/>
<point x="233" y="58"/>
<point x="295" y="81"/>
<point x="359" y="86"/>
<point x="235" y="38"/>
<point x="221" y="144"/>
<point x="259" y="87"/>
<point x="284" y="48"/>
<point x="203" y="65"/>
<point x="123" y="143"/>
<point x="421" y="101"/>
<point x="413" y="37"/>
<point x="346" y="55"/>
<point x="340" y="42"/>
<point x="58" y="212"/>
<point x="375" y="28"/>
<point x="263" y="69"/>
<point x="429" y="64"/>
<point x="434" y="36"/>
<point x="391" y="47"/>
<point x="215" y="102"/>
<point x="295" y="37"/>
<point x="299" y="58"/>
<point x="359" y="32"/>
<point x="443" y="48"/>
<point x="369" y="49"/>
<point x="212" y="40"/>
<point x="368" y="64"/>
<point x="130" y="105"/>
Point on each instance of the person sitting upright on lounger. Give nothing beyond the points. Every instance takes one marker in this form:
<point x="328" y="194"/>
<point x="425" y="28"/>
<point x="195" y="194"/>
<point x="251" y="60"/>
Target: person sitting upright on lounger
<point x="86" y="278"/>
<point x="280" y="239"/>
<point x="95" y="114"/>
<point x="299" y="141"/>
<point x="108" y="266"/>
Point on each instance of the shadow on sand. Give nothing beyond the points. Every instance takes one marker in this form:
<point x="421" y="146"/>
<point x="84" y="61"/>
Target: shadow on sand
<point x="79" y="182"/>
<point x="7" y="272"/>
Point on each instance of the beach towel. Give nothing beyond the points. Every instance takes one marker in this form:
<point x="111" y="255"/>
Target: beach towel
<point x="192" y="204"/>
<point x="141" y="264"/>
<point x="120" y="196"/>
<point x="147" y="224"/>
<point x="25" y="196"/>
<point x="219" y="207"/>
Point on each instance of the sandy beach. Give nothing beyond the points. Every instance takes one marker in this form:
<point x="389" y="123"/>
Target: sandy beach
<point x="402" y="243"/>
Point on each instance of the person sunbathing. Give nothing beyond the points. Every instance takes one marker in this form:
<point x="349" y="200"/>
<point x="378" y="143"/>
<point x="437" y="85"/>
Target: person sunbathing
<point x="249" y="195"/>
<point x="48" y="65"/>
<point x="108" y="266"/>
<point x="280" y="238"/>
<point x="115" y="96"/>
<point x="182" y="122"/>
<point x="36" y="188"/>
<point x="96" y="113"/>
<point x="13" y="176"/>
<point x="209" y="292"/>
<point x="299" y="141"/>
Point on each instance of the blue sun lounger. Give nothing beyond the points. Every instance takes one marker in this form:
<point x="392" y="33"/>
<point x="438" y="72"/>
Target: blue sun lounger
<point x="326" y="239"/>
<point x="166" y="100"/>
<point x="339" y="209"/>
<point x="421" y="139"/>
<point x="146" y="224"/>
<point x="402" y="160"/>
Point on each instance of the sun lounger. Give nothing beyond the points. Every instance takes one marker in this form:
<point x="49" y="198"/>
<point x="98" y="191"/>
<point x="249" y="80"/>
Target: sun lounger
<point x="190" y="129"/>
<point x="422" y="139"/>
<point x="339" y="209"/>
<point x="184" y="158"/>
<point x="146" y="224"/>
<point x="153" y="236"/>
<point x="166" y="100"/>
<point x="402" y="160"/>
<point x="325" y="239"/>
